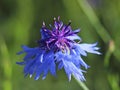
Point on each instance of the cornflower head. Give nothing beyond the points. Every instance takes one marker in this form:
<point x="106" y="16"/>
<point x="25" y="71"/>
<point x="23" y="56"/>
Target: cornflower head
<point x="57" y="48"/>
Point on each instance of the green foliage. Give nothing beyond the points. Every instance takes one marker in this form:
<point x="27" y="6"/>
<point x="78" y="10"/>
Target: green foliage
<point x="99" y="20"/>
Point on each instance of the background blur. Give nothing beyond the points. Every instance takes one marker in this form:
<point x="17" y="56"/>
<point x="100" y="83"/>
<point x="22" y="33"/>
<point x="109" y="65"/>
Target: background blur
<point x="99" y="20"/>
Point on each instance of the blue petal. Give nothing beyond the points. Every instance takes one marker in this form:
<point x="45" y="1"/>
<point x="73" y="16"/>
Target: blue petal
<point x="91" y="48"/>
<point x="76" y="59"/>
<point x="39" y="70"/>
<point x="76" y="31"/>
<point x="60" y="65"/>
<point x="45" y="73"/>
<point x="71" y="62"/>
<point x="25" y="49"/>
<point x="79" y="50"/>
<point x="71" y="69"/>
<point x="47" y="64"/>
<point x="32" y="69"/>
<point x="53" y="68"/>
<point x="68" y="72"/>
<point x="73" y="37"/>
<point x="28" y="67"/>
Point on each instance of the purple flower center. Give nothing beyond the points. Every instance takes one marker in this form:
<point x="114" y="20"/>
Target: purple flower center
<point x="58" y="37"/>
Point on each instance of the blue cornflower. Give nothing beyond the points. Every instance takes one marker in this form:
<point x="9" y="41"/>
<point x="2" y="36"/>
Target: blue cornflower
<point x="57" y="48"/>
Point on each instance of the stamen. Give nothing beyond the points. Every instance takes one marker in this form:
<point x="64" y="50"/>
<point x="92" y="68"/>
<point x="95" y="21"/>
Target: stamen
<point x="58" y="18"/>
<point x="68" y="25"/>
<point x="43" y="24"/>
<point x="54" y="19"/>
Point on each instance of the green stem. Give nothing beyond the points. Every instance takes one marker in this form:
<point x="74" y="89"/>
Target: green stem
<point x="82" y="85"/>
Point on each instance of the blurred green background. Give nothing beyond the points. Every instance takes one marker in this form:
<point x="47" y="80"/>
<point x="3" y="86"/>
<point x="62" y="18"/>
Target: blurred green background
<point x="99" y="20"/>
